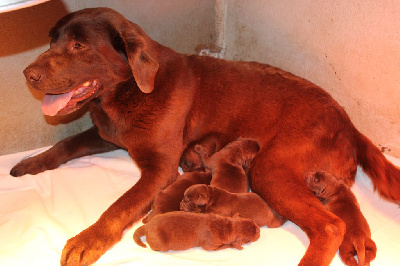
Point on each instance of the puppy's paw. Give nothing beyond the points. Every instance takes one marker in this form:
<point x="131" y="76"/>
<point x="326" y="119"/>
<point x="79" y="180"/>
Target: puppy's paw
<point x="148" y="218"/>
<point x="200" y="150"/>
<point x="187" y="206"/>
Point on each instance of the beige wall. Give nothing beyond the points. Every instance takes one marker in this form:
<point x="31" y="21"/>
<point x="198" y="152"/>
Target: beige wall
<point x="350" y="48"/>
<point x="24" y="35"/>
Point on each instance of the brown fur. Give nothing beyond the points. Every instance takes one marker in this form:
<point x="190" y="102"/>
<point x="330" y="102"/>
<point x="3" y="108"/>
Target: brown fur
<point x="190" y="160"/>
<point x="169" y="199"/>
<point x="153" y="102"/>
<point x="184" y="230"/>
<point x="208" y="199"/>
<point x="228" y="165"/>
<point x="339" y="199"/>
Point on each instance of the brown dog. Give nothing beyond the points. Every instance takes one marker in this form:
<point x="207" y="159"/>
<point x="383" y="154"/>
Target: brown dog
<point x="184" y="230"/>
<point x="228" y="165"/>
<point x="208" y="199"/>
<point x="153" y="102"/>
<point x="339" y="199"/>
<point x="190" y="160"/>
<point x="169" y="199"/>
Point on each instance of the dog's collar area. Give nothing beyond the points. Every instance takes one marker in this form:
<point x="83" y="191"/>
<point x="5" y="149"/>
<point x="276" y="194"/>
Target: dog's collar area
<point x="64" y="103"/>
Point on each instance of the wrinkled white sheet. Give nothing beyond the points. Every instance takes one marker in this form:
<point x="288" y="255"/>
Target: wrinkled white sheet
<point x="39" y="213"/>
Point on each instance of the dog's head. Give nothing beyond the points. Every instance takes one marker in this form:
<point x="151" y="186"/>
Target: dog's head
<point x="91" y="50"/>
<point x="196" y="198"/>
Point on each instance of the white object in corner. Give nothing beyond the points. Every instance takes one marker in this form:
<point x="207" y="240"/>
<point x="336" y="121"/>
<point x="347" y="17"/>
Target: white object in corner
<point x="10" y="5"/>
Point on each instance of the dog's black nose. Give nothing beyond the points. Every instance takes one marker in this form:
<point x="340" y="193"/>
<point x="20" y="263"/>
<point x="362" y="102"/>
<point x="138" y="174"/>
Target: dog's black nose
<point x="32" y="76"/>
<point x="35" y="77"/>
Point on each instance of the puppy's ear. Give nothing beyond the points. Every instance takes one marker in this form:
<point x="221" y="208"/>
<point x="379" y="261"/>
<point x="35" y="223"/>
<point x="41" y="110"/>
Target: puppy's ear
<point x="202" y="199"/>
<point x="136" y="45"/>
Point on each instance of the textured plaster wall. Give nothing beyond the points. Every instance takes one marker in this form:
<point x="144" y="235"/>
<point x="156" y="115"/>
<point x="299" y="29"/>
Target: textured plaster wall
<point x="350" y="48"/>
<point x="179" y="24"/>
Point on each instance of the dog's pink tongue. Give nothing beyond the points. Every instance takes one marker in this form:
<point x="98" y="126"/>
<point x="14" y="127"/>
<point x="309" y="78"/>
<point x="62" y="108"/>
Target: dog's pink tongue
<point x="51" y="104"/>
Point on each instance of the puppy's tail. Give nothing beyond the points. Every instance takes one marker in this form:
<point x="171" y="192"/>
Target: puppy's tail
<point x="141" y="231"/>
<point x="384" y="175"/>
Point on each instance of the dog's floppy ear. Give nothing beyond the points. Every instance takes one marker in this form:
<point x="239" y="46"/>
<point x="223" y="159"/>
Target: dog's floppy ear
<point x="144" y="67"/>
<point x="136" y="44"/>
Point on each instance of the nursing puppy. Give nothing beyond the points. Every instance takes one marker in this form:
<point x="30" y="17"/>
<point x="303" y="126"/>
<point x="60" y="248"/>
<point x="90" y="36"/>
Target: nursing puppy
<point x="184" y="230"/>
<point x="338" y="198"/>
<point x="209" y="199"/>
<point x="168" y="199"/>
<point x="190" y="160"/>
<point x="228" y="165"/>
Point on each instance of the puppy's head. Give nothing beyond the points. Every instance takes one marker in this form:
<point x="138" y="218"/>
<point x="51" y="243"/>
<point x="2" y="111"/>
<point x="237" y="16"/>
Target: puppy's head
<point x="250" y="149"/>
<point x="190" y="161"/>
<point x="240" y="152"/>
<point x="194" y="155"/>
<point x="196" y="198"/>
<point x="249" y="230"/>
<point x="91" y="50"/>
<point x="321" y="183"/>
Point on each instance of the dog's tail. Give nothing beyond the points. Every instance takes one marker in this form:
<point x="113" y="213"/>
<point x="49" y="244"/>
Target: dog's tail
<point x="141" y="231"/>
<point x="384" y="175"/>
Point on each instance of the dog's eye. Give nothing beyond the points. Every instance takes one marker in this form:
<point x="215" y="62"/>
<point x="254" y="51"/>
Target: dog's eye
<point x="78" y="46"/>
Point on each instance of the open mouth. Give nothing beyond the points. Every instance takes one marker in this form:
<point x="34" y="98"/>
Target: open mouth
<point x="65" y="103"/>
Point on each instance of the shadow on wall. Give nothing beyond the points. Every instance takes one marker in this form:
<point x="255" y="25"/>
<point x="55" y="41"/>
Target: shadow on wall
<point x="27" y="29"/>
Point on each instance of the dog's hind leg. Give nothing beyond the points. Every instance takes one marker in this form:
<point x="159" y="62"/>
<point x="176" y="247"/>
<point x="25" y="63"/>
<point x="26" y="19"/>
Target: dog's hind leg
<point x="287" y="193"/>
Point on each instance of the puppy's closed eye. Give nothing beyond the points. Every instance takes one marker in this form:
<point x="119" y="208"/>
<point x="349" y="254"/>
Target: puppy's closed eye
<point x="201" y="199"/>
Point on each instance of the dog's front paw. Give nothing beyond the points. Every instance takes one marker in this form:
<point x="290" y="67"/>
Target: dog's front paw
<point x="33" y="166"/>
<point x="87" y="247"/>
<point x="362" y="247"/>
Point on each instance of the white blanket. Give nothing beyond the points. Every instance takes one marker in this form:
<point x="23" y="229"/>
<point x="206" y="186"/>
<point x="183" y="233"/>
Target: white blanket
<point x="39" y="213"/>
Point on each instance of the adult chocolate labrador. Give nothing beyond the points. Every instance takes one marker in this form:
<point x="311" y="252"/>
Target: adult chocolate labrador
<point x="152" y="101"/>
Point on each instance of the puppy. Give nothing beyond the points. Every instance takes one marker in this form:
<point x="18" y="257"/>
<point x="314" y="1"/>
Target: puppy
<point x="228" y="165"/>
<point x="168" y="200"/>
<point x="338" y="198"/>
<point x="190" y="160"/>
<point x="184" y="230"/>
<point x="209" y="199"/>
